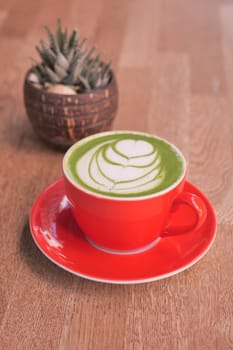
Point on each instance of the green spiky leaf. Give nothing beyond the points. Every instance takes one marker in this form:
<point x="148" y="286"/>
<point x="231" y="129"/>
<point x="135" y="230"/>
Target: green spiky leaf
<point x="62" y="61"/>
<point x="52" y="40"/>
<point x="59" y="34"/>
<point x="71" y="54"/>
<point x="73" y="42"/>
<point x="51" y="56"/>
<point x="60" y="71"/>
<point x="53" y="76"/>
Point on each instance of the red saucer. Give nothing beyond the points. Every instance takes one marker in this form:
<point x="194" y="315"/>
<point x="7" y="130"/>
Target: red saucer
<point x="59" y="238"/>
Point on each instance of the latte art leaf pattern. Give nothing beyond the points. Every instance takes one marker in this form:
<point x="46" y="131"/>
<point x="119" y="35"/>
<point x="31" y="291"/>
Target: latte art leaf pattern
<point x="122" y="166"/>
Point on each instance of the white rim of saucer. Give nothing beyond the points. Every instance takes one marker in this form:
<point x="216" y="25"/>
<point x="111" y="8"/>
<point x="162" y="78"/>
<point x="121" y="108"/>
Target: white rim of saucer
<point x="98" y="195"/>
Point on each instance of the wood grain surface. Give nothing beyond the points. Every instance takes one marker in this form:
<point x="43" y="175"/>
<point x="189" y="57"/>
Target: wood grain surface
<point x="174" y="63"/>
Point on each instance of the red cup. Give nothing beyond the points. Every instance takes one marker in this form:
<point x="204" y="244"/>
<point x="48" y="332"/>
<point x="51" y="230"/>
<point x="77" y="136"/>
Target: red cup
<point x="131" y="224"/>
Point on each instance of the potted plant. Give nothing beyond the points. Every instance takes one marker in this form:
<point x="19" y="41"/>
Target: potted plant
<point x="71" y="93"/>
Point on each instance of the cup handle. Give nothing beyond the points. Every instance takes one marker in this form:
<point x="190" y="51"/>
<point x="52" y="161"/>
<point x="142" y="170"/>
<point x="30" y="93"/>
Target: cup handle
<point x="199" y="207"/>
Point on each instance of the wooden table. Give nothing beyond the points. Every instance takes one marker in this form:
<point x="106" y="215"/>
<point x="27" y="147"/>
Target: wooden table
<point x="174" y="64"/>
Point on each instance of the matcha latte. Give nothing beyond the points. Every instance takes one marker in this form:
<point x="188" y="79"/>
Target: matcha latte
<point x="124" y="164"/>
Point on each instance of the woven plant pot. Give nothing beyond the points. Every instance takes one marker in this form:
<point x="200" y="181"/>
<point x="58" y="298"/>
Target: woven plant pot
<point x="61" y="120"/>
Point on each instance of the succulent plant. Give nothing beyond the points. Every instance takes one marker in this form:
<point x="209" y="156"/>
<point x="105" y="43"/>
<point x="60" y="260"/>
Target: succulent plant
<point x="66" y="61"/>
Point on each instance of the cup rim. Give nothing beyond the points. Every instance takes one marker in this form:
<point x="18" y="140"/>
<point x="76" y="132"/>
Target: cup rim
<point x="115" y="198"/>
